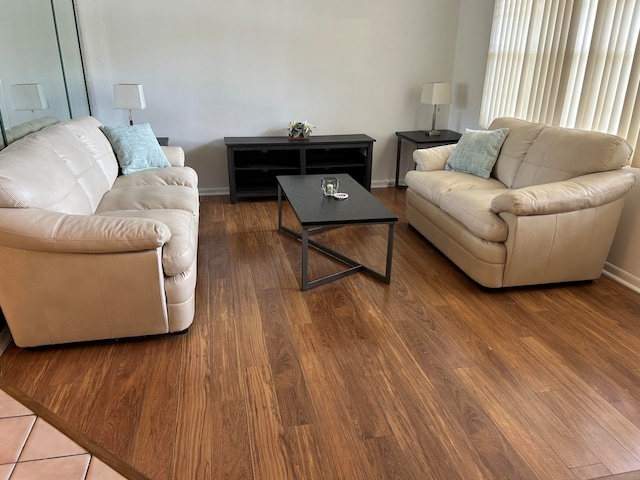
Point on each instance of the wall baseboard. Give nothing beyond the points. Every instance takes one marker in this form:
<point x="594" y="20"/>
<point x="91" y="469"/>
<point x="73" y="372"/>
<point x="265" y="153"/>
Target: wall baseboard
<point x="213" y="191"/>
<point x="5" y="339"/>
<point x="382" y="183"/>
<point x="620" y="276"/>
<point x="225" y="190"/>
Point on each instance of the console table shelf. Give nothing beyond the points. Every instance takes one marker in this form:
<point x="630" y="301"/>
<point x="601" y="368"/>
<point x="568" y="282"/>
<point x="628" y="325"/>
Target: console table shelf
<point x="254" y="162"/>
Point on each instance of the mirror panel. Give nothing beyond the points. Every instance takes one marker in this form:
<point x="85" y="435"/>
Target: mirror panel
<point x="71" y="58"/>
<point x="39" y="44"/>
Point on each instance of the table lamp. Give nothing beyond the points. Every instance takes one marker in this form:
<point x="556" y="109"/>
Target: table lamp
<point x="29" y="96"/>
<point x="435" y="94"/>
<point x="128" y="96"/>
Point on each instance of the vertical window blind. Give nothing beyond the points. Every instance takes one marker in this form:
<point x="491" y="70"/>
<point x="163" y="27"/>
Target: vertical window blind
<point x="568" y="63"/>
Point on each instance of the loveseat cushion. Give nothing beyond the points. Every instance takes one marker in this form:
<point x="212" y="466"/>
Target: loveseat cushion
<point x="434" y="158"/>
<point x="473" y="210"/>
<point x="558" y="154"/>
<point x="586" y="191"/>
<point x="515" y="146"/>
<point x="432" y="185"/>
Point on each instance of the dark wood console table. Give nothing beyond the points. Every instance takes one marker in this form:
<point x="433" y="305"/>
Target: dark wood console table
<point x="254" y="162"/>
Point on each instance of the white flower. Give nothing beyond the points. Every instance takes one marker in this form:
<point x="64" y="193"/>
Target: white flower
<point x="297" y="128"/>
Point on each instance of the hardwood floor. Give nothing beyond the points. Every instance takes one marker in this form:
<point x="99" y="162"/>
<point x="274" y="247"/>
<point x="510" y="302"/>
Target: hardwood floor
<point x="431" y="377"/>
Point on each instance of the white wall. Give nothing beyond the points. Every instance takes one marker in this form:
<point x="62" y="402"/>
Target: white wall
<point x="624" y="257"/>
<point x="216" y="68"/>
<point x="472" y="47"/>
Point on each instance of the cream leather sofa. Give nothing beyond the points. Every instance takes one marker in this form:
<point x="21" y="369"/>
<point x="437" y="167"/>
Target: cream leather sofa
<point x="19" y="131"/>
<point x="88" y="254"/>
<point x="547" y="213"/>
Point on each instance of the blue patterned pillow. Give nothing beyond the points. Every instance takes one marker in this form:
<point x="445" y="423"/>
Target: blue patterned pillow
<point x="136" y="147"/>
<point x="477" y="152"/>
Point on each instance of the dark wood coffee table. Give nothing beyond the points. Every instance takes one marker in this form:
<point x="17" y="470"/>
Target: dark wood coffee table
<point x="317" y="213"/>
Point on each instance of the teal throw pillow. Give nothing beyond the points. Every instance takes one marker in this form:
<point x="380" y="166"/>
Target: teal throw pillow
<point x="136" y="147"/>
<point x="477" y="152"/>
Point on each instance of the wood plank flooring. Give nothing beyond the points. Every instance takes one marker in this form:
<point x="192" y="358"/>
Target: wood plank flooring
<point x="431" y="377"/>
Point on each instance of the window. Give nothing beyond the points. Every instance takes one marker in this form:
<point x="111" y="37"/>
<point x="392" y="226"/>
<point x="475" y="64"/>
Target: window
<point x="567" y="63"/>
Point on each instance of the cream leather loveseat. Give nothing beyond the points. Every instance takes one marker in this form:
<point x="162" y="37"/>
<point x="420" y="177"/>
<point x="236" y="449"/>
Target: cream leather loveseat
<point x="86" y="253"/>
<point x="547" y="213"/>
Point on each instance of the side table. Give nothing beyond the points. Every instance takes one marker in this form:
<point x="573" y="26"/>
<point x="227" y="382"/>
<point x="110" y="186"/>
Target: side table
<point x="421" y="139"/>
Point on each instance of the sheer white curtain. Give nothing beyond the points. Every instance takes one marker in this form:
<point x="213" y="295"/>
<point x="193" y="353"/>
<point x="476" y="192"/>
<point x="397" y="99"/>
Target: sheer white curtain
<point x="568" y="63"/>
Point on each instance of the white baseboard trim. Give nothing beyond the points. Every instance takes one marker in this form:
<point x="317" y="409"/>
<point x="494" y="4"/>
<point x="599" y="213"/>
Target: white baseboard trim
<point x="213" y="191"/>
<point x="5" y="339"/>
<point x="225" y="190"/>
<point x="382" y="183"/>
<point x="620" y="276"/>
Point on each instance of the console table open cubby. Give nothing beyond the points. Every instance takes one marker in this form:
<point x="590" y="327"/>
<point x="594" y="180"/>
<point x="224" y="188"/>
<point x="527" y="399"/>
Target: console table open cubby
<point x="254" y="162"/>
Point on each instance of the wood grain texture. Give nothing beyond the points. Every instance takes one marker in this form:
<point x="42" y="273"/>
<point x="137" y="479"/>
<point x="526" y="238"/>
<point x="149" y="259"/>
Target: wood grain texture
<point x="430" y="377"/>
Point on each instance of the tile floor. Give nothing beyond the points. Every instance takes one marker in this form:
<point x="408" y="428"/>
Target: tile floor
<point x="30" y="448"/>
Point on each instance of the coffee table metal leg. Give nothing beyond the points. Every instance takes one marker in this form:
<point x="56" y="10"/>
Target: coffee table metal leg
<point x="305" y="258"/>
<point x="398" y="150"/>
<point x="387" y="277"/>
<point x="279" y="207"/>
<point x="355" y="266"/>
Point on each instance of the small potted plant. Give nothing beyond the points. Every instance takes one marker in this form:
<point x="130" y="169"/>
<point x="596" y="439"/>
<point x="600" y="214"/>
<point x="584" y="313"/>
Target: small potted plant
<point x="299" y="130"/>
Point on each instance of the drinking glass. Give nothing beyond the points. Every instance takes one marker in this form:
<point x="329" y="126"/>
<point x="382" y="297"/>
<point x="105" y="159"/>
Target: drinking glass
<point x="329" y="186"/>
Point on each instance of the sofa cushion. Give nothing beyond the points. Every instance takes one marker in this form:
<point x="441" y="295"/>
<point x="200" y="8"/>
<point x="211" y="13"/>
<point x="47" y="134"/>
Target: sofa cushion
<point x="433" y="158"/>
<point x="185" y="176"/>
<point x="32" y="175"/>
<point x="17" y="132"/>
<point x="179" y="253"/>
<point x="150" y="197"/>
<point x="473" y="210"/>
<point x="586" y="191"/>
<point x="477" y="152"/>
<point x="561" y="153"/>
<point x="88" y="133"/>
<point x="77" y="158"/>
<point x="432" y="185"/>
<point x="136" y="147"/>
<point x="515" y="146"/>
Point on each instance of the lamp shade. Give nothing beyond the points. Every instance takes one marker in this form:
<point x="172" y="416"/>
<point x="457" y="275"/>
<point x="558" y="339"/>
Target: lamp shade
<point x="29" y="96"/>
<point x="128" y="96"/>
<point x="436" y="93"/>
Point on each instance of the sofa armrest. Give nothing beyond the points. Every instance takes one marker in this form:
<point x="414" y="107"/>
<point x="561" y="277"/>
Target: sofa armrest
<point x="45" y="231"/>
<point x="174" y="154"/>
<point x="434" y="158"/>
<point x="586" y="191"/>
